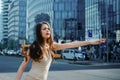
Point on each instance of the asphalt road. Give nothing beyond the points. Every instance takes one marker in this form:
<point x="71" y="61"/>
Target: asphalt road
<point x="62" y="70"/>
<point x="11" y="64"/>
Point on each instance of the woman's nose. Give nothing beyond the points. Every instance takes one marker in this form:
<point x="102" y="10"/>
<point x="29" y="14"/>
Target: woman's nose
<point x="47" y="30"/>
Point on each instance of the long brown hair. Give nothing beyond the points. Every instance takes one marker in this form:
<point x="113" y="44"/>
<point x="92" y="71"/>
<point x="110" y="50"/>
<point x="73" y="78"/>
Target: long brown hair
<point x="36" y="52"/>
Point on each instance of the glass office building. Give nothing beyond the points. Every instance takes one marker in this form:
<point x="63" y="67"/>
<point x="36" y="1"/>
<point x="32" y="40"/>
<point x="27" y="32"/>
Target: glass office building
<point x="67" y="18"/>
<point x="5" y="5"/>
<point x="37" y="11"/>
<point x="17" y="22"/>
<point x="1" y="28"/>
<point x="102" y="19"/>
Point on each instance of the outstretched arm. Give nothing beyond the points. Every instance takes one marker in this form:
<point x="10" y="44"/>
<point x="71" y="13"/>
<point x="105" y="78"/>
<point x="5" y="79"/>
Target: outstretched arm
<point x="22" y="67"/>
<point x="57" y="46"/>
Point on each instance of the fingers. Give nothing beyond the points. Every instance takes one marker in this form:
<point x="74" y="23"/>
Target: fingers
<point x="102" y="40"/>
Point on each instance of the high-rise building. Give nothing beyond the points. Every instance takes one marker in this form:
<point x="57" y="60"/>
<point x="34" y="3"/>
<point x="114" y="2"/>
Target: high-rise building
<point x="102" y="19"/>
<point x="17" y="22"/>
<point x="5" y="6"/>
<point x="37" y="11"/>
<point x="1" y="28"/>
<point x="67" y="18"/>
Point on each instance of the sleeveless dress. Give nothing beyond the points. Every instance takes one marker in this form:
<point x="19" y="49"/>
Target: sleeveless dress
<point x="39" y="70"/>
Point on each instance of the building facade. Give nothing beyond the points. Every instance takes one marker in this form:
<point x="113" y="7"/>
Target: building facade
<point x="17" y="22"/>
<point x="5" y="6"/>
<point x="1" y="28"/>
<point x="64" y="18"/>
<point x="68" y="23"/>
<point x="41" y="10"/>
<point x="103" y="19"/>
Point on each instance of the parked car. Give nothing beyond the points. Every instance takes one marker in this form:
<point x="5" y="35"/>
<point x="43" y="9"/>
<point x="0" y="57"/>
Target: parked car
<point x="4" y="51"/>
<point x="73" y="54"/>
<point x="19" y="52"/>
<point x="68" y="54"/>
<point x="79" y="55"/>
<point x="10" y="52"/>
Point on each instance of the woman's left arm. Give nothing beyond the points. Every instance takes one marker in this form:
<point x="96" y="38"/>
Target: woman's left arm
<point x="58" y="46"/>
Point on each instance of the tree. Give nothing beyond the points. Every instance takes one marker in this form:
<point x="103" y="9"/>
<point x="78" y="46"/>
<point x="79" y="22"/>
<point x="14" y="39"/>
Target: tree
<point x="42" y="17"/>
<point x="11" y="44"/>
<point x="1" y="46"/>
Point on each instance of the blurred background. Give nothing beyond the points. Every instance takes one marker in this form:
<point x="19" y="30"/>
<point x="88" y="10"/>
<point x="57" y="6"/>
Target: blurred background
<point x="70" y="20"/>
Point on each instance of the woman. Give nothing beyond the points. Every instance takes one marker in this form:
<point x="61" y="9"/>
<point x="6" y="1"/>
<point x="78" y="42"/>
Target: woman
<point x="40" y="52"/>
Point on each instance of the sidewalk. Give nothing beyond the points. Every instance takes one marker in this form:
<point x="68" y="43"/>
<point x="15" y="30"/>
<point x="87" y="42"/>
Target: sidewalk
<point x="86" y="62"/>
<point x="93" y="63"/>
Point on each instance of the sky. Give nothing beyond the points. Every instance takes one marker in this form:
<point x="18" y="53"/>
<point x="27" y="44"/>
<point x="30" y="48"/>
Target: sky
<point x="0" y="6"/>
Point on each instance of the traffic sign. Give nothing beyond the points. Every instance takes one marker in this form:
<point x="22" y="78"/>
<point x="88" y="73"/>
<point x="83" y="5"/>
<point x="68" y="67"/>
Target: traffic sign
<point x="89" y="33"/>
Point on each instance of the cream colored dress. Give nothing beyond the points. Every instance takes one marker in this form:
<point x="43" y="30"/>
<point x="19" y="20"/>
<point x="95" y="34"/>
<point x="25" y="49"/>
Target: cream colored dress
<point x="39" y="70"/>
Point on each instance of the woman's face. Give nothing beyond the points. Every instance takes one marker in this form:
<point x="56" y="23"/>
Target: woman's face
<point x="45" y="31"/>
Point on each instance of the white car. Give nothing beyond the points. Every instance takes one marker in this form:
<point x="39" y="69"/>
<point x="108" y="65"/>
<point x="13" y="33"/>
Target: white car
<point x="68" y="54"/>
<point x="72" y="54"/>
<point x="11" y="52"/>
<point x="79" y="55"/>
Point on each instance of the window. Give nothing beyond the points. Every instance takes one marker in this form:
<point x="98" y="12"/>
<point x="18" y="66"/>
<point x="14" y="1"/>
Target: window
<point x="61" y="7"/>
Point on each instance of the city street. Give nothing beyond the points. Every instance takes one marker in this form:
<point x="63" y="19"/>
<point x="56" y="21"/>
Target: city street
<point x="83" y="34"/>
<point x="62" y="70"/>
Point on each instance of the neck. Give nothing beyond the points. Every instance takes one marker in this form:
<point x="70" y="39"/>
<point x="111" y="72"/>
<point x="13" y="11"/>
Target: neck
<point x="45" y="42"/>
<point x="45" y="45"/>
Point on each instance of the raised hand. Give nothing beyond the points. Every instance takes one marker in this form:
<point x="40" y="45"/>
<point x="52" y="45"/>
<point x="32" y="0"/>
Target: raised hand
<point x="98" y="41"/>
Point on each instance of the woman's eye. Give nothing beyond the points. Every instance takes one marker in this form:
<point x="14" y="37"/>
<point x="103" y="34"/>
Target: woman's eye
<point x="46" y="28"/>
